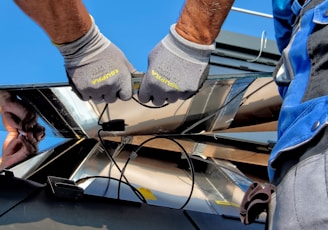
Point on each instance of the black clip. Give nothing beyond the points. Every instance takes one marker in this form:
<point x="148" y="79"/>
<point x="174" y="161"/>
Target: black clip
<point x="64" y="188"/>
<point x="6" y="173"/>
<point x="114" y="125"/>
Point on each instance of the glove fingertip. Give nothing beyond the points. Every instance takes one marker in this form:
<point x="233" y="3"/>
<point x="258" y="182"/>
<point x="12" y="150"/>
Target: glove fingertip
<point x="172" y="100"/>
<point x="158" y="101"/>
<point x="188" y="95"/>
<point x="143" y="98"/>
<point x="125" y="94"/>
<point x="109" y="99"/>
<point x="125" y="97"/>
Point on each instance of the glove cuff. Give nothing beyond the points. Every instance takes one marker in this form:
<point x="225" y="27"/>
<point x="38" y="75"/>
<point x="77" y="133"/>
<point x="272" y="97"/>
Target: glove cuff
<point x="89" y="45"/>
<point x="186" y="49"/>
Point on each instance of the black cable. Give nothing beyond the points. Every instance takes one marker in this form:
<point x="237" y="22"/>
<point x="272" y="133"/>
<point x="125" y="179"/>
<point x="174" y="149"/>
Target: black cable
<point x="148" y="106"/>
<point x="256" y="90"/>
<point x="134" y="189"/>
<point x="113" y="160"/>
<point x="109" y="155"/>
<point x="188" y="129"/>
<point x="109" y="172"/>
<point x="106" y="150"/>
<point x="102" y="113"/>
<point x="216" y="111"/>
<point x="184" y="151"/>
<point x="210" y="115"/>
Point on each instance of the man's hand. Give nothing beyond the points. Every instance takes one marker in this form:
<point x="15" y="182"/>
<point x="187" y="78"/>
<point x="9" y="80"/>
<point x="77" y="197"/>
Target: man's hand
<point x="177" y="69"/>
<point x="97" y="69"/>
<point x="15" y="116"/>
<point x="16" y="149"/>
<point x="24" y="131"/>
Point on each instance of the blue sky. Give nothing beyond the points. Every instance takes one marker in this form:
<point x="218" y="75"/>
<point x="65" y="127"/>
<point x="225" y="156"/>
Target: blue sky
<point x="27" y="55"/>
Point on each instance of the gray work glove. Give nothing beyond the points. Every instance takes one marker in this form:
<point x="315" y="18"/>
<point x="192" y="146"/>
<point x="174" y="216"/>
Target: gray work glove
<point x="177" y="69"/>
<point x="96" y="68"/>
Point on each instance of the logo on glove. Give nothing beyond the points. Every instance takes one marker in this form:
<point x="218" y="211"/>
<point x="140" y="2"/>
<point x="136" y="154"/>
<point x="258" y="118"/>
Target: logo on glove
<point x="164" y="80"/>
<point x="105" y="77"/>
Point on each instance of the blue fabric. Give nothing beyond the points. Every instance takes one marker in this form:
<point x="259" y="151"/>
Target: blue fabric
<point x="299" y="120"/>
<point x="283" y="20"/>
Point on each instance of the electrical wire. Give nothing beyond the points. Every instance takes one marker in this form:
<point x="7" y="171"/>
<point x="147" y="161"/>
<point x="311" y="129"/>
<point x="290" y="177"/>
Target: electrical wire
<point x="105" y="149"/>
<point x="255" y="91"/>
<point x="217" y="110"/>
<point x="148" y="106"/>
<point x="112" y="160"/>
<point x="108" y="182"/>
<point x="210" y="115"/>
<point x="135" y="152"/>
<point x="134" y="189"/>
<point x="102" y="113"/>
<point x="122" y="171"/>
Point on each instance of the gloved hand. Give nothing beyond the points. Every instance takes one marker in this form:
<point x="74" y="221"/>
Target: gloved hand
<point x="177" y="69"/>
<point x="96" y="68"/>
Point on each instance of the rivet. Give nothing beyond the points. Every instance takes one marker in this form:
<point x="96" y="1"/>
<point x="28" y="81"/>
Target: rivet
<point x="315" y="125"/>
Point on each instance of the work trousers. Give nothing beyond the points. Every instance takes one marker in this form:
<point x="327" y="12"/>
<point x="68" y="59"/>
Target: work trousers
<point x="301" y="198"/>
<point x="301" y="177"/>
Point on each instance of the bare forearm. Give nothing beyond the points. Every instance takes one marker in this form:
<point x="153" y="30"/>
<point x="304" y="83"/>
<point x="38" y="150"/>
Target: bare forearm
<point x="201" y="20"/>
<point x="63" y="20"/>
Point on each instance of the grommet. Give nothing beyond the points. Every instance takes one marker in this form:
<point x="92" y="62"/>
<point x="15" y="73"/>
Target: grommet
<point x="315" y="125"/>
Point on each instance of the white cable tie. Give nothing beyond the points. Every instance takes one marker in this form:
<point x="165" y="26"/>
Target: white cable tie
<point x="133" y="155"/>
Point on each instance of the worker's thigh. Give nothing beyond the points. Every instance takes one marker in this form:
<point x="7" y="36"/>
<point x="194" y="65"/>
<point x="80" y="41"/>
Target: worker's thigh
<point x="301" y="197"/>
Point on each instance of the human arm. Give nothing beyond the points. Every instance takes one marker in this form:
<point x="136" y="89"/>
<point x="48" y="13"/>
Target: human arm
<point x="95" y="67"/>
<point x="63" y="20"/>
<point x="178" y="65"/>
<point x="201" y="21"/>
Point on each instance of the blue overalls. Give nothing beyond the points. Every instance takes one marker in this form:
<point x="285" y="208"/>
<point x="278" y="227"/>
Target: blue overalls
<point x="303" y="43"/>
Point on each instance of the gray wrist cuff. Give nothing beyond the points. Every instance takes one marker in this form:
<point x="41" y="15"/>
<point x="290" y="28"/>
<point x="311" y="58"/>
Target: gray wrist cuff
<point x="90" y="44"/>
<point x="186" y="49"/>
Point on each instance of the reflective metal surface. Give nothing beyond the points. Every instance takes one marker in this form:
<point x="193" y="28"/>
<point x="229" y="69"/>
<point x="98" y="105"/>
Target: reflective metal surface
<point x="214" y="108"/>
<point x="68" y="116"/>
